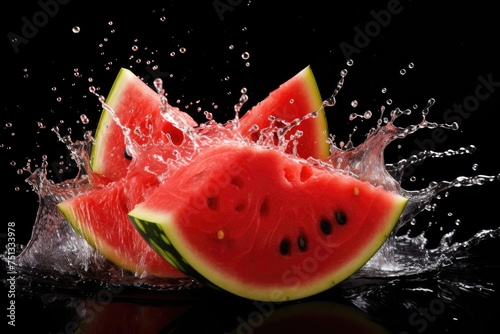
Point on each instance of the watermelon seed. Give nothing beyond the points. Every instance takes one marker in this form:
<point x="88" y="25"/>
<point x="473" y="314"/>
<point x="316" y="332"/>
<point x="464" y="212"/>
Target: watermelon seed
<point x="126" y="155"/>
<point x="301" y="241"/>
<point x="284" y="246"/>
<point x="237" y="181"/>
<point x="340" y="217"/>
<point x="213" y="202"/>
<point x="240" y="207"/>
<point x="326" y="226"/>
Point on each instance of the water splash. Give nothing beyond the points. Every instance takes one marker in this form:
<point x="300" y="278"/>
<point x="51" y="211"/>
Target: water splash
<point x="54" y="244"/>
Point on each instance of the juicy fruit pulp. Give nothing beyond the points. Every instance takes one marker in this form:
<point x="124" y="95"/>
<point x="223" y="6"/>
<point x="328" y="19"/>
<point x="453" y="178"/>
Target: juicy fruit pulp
<point x="264" y="225"/>
<point x="131" y="173"/>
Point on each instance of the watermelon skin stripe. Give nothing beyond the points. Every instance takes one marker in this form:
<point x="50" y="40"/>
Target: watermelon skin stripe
<point x="158" y="240"/>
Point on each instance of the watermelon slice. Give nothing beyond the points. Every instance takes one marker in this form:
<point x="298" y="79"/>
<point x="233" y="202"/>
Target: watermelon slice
<point x="137" y="107"/>
<point x="293" y="99"/>
<point x="100" y="215"/>
<point x="265" y="225"/>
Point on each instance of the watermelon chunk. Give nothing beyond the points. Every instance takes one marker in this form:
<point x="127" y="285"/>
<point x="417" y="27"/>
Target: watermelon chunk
<point x="295" y="98"/>
<point x="100" y="215"/>
<point x="265" y="225"/>
<point x="136" y="107"/>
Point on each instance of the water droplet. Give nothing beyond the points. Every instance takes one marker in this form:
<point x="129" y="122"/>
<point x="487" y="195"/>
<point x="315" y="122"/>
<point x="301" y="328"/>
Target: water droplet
<point x="134" y="48"/>
<point x="76" y="29"/>
<point x="350" y="62"/>
<point x="354" y="103"/>
<point x="172" y="54"/>
<point x="84" y="119"/>
<point x="389" y="102"/>
<point x="110" y="23"/>
<point x="402" y="71"/>
<point x="245" y="55"/>
<point x="182" y="50"/>
<point x="411" y="65"/>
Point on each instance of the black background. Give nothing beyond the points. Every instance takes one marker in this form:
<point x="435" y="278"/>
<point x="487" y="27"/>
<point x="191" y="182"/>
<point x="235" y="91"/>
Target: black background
<point x="451" y="46"/>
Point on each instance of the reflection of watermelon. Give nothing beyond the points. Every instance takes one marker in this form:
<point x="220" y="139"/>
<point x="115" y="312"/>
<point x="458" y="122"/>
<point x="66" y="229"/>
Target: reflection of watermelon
<point x="224" y="315"/>
<point x="127" y="317"/>
<point x="100" y="215"/>
<point x="257" y="317"/>
<point x="264" y="225"/>
<point x="311" y="317"/>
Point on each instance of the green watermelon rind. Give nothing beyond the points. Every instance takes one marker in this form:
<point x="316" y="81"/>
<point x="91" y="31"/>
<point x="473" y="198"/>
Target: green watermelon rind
<point x="156" y="238"/>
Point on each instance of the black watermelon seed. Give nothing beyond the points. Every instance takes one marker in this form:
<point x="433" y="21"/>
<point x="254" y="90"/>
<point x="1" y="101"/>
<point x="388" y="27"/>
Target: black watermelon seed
<point x="285" y="246"/>
<point x="126" y="155"/>
<point x="213" y="202"/>
<point x="302" y="243"/>
<point x="340" y="217"/>
<point x="326" y="226"/>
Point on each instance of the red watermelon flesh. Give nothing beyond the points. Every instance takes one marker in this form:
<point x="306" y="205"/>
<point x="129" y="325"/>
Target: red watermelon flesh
<point x="265" y="225"/>
<point x="137" y="107"/>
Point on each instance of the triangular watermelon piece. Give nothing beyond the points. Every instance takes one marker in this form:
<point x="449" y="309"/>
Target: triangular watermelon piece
<point x="137" y="109"/>
<point x="265" y="225"/>
<point x="100" y="215"/>
<point x="295" y="98"/>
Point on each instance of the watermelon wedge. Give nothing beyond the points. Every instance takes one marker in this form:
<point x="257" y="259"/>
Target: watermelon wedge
<point x="136" y="107"/>
<point x="295" y="98"/>
<point x="100" y="215"/>
<point x="265" y="225"/>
